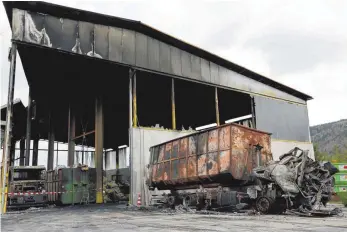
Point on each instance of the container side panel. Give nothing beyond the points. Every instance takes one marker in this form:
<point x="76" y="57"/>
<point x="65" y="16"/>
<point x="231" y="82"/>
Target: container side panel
<point x="183" y="147"/>
<point x="202" y="143"/>
<point x="224" y="161"/>
<point x="175" y="169"/>
<point x="212" y="164"/>
<point x="239" y="163"/>
<point x="202" y="167"/>
<point x="86" y="36"/>
<point x="161" y="153"/>
<point x="192" y="145"/>
<point x="224" y="138"/>
<point x="191" y="167"/>
<point x="166" y="175"/>
<point x="213" y="140"/>
<point x="168" y="151"/>
<point x="182" y="168"/>
<point x="174" y="153"/>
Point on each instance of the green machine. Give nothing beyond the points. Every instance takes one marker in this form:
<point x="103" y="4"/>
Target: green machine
<point x="341" y="182"/>
<point x="68" y="186"/>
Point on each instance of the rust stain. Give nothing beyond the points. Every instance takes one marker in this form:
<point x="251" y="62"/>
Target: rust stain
<point x="183" y="147"/>
<point x="174" y="169"/>
<point x="202" y="143"/>
<point x="192" y="166"/>
<point x="166" y="174"/>
<point x="160" y="168"/>
<point x="202" y="169"/>
<point x="168" y="150"/>
<point x="154" y="172"/>
<point x="174" y="153"/>
<point x="212" y="164"/>
<point x="238" y="163"/>
<point x="212" y="140"/>
<point x="224" y="138"/>
<point x="192" y="145"/>
<point x="224" y="161"/>
<point x="161" y="153"/>
<point x="182" y="168"/>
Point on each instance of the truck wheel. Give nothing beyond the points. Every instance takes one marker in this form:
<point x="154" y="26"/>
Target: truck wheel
<point x="263" y="204"/>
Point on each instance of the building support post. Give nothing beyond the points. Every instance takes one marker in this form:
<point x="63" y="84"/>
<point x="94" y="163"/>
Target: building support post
<point x="134" y="100"/>
<point x="22" y="157"/>
<point x="71" y="136"/>
<point x="51" y="136"/>
<point x="253" y="112"/>
<point x="99" y="143"/>
<point x="217" y="105"/>
<point x="130" y="133"/>
<point x="173" y="105"/>
<point x="28" y="131"/>
<point x="35" y="151"/>
<point x="8" y="130"/>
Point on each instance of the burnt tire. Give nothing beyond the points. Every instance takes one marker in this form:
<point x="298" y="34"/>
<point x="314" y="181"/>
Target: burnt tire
<point x="264" y="205"/>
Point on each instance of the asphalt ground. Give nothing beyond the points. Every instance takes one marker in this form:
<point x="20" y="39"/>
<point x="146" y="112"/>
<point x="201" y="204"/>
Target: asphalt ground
<point x="122" y="218"/>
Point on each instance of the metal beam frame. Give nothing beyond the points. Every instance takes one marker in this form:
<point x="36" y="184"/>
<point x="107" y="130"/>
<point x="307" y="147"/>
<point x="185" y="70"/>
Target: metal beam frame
<point x="22" y="157"/>
<point x="217" y="105"/>
<point x="99" y="150"/>
<point x="71" y="135"/>
<point x="173" y="104"/>
<point x="28" y="131"/>
<point x="135" y="121"/>
<point x="8" y="131"/>
<point x="51" y="137"/>
<point x="35" y="151"/>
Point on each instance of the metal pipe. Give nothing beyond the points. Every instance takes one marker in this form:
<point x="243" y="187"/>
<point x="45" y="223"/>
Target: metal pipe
<point x="134" y="101"/>
<point x="71" y="135"/>
<point x="28" y="131"/>
<point x="217" y="106"/>
<point x="99" y="143"/>
<point x="130" y="133"/>
<point x="22" y="157"/>
<point x="8" y="130"/>
<point x="130" y="99"/>
<point x="173" y="105"/>
<point x="51" y="136"/>
<point x="35" y="151"/>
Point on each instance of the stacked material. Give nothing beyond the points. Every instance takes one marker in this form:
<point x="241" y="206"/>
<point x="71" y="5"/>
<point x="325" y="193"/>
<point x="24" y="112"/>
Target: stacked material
<point x="296" y="183"/>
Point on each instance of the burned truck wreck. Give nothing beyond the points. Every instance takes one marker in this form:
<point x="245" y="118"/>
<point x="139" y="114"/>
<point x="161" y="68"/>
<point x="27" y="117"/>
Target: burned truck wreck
<point x="231" y="167"/>
<point x="295" y="183"/>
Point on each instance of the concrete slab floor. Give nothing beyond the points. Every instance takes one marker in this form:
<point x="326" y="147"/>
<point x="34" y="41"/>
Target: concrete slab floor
<point x="117" y="218"/>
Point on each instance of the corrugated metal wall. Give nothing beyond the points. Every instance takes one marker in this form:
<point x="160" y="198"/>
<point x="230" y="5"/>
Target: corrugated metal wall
<point x="131" y="48"/>
<point x="286" y="121"/>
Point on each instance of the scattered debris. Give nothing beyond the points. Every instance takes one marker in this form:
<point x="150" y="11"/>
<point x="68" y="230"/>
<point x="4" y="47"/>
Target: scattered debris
<point x="297" y="183"/>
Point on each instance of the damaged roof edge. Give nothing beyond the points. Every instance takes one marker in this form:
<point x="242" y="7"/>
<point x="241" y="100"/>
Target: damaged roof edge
<point x="97" y="18"/>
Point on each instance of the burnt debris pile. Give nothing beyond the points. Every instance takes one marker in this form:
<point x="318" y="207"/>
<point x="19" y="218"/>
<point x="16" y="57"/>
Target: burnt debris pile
<point x="295" y="183"/>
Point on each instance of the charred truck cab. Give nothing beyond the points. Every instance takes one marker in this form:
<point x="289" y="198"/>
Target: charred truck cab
<point x="26" y="187"/>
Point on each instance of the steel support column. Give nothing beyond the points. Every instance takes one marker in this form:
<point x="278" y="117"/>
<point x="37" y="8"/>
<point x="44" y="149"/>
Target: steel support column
<point x="134" y="100"/>
<point x="253" y="112"/>
<point x="71" y="136"/>
<point x="173" y="105"/>
<point x="35" y="151"/>
<point x="99" y="143"/>
<point x="28" y="131"/>
<point x="22" y="157"/>
<point x="130" y="132"/>
<point x="217" y="105"/>
<point x="51" y="136"/>
<point x="8" y="130"/>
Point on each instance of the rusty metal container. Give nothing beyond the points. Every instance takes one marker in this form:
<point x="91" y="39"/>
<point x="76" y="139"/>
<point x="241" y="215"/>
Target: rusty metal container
<point x="222" y="155"/>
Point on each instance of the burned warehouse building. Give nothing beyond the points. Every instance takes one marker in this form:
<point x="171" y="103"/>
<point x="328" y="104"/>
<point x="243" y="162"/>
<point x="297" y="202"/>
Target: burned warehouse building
<point x="105" y="82"/>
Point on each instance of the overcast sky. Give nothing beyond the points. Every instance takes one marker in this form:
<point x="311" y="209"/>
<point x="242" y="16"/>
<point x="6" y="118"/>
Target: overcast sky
<point x="302" y="44"/>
